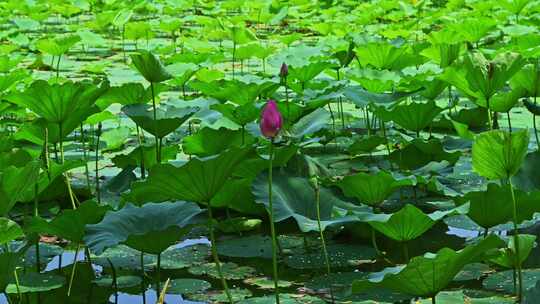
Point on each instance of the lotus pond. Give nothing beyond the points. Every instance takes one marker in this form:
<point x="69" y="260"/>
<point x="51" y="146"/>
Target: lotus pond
<point x="272" y="151"/>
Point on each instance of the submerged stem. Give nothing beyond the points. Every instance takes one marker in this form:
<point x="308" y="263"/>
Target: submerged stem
<point x="323" y="242"/>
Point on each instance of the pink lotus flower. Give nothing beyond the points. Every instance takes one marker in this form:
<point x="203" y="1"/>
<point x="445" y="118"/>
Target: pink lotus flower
<point x="271" y="120"/>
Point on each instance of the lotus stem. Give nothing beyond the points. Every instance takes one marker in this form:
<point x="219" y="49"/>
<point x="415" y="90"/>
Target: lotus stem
<point x="272" y="226"/>
<point x="58" y="67"/>
<point x="155" y="121"/>
<point x="323" y="242"/>
<point x="536" y="133"/>
<point x="374" y="241"/>
<point x="143" y="173"/>
<point x="85" y="157"/>
<point x="340" y="104"/>
<point x="489" y="115"/>
<point x="405" y="252"/>
<point x="62" y="160"/>
<point x="17" y="284"/>
<point x="215" y="254"/>
<point x="233" y="58"/>
<point x="114" y="276"/>
<point x="36" y="214"/>
<point x="98" y="192"/>
<point x="73" y="270"/>
<point x="123" y="42"/>
<point x="519" y="292"/>
<point x="509" y="121"/>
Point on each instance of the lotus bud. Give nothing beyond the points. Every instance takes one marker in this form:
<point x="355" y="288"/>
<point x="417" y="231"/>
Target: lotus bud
<point x="284" y="70"/>
<point x="271" y="120"/>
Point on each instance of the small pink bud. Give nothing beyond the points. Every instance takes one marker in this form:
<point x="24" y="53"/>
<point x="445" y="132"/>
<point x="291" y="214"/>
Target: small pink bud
<point x="284" y="70"/>
<point x="271" y="121"/>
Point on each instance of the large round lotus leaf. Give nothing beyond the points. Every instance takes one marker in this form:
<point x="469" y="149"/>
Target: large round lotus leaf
<point x="231" y="271"/>
<point x="196" y="181"/>
<point x="420" y="152"/>
<point x="8" y="262"/>
<point x="267" y="283"/>
<point x="121" y="281"/>
<point x="150" y="67"/>
<point x="9" y="231"/>
<point x="237" y="294"/>
<point x="526" y="179"/>
<point x="452" y="297"/>
<point x="209" y="141"/>
<point x="256" y="246"/>
<point x="473" y="271"/>
<point x="414" y="116"/>
<point x="531" y="295"/>
<point x="427" y="275"/>
<point x="68" y="103"/>
<point x="340" y="255"/>
<point x="164" y="225"/>
<point x="14" y="182"/>
<point x="371" y="189"/>
<point x="168" y="118"/>
<point x="294" y="197"/>
<point x="36" y="282"/>
<point x="504" y="280"/>
<point x="340" y="282"/>
<point x="499" y="154"/>
<point x="70" y="224"/>
<point x="285" y="298"/>
<point x="409" y="222"/>
<point x="187" y="286"/>
<point x="178" y="258"/>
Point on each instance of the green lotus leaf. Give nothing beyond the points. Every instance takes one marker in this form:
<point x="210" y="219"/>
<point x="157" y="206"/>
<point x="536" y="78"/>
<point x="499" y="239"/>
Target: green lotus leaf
<point x="236" y="91"/>
<point x="164" y="225"/>
<point x="499" y="154"/>
<point x="371" y="189"/>
<point x="427" y="275"/>
<point x="294" y="197"/>
<point x="409" y="222"/>
<point x="526" y="179"/>
<point x="413" y="116"/>
<point x="35" y="282"/>
<point x="197" y="181"/>
<point x="528" y="78"/>
<point x="503" y="280"/>
<point x="71" y="224"/>
<point x="366" y="144"/>
<point x="9" y="231"/>
<point x="507" y="257"/>
<point x="8" y="262"/>
<point x="308" y="72"/>
<point x="66" y="104"/>
<point x="14" y="182"/>
<point x="150" y="67"/>
<point x="420" y="152"/>
<point x="362" y="98"/>
<point x="241" y="115"/>
<point x="57" y="46"/>
<point x="208" y="141"/>
<point x="168" y="118"/>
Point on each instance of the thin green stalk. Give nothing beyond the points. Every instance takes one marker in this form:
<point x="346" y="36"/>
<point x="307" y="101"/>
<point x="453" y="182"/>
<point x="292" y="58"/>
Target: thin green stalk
<point x="215" y="254"/>
<point x="62" y="160"/>
<point x="73" y="270"/>
<point x="233" y="59"/>
<point x="489" y="115"/>
<point x="143" y="289"/>
<point x="374" y="241"/>
<point x="143" y="173"/>
<point x="123" y="42"/>
<point x="98" y="192"/>
<point x="323" y="243"/>
<point x="155" y="121"/>
<point x="58" y="67"/>
<point x="17" y="284"/>
<point x="340" y="105"/>
<point x="536" y="133"/>
<point x="36" y="214"/>
<point x="516" y="242"/>
<point x="115" y="277"/>
<point x="405" y="252"/>
<point x="85" y="157"/>
<point x="272" y="226"/>
<point x="509" y="121"/>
